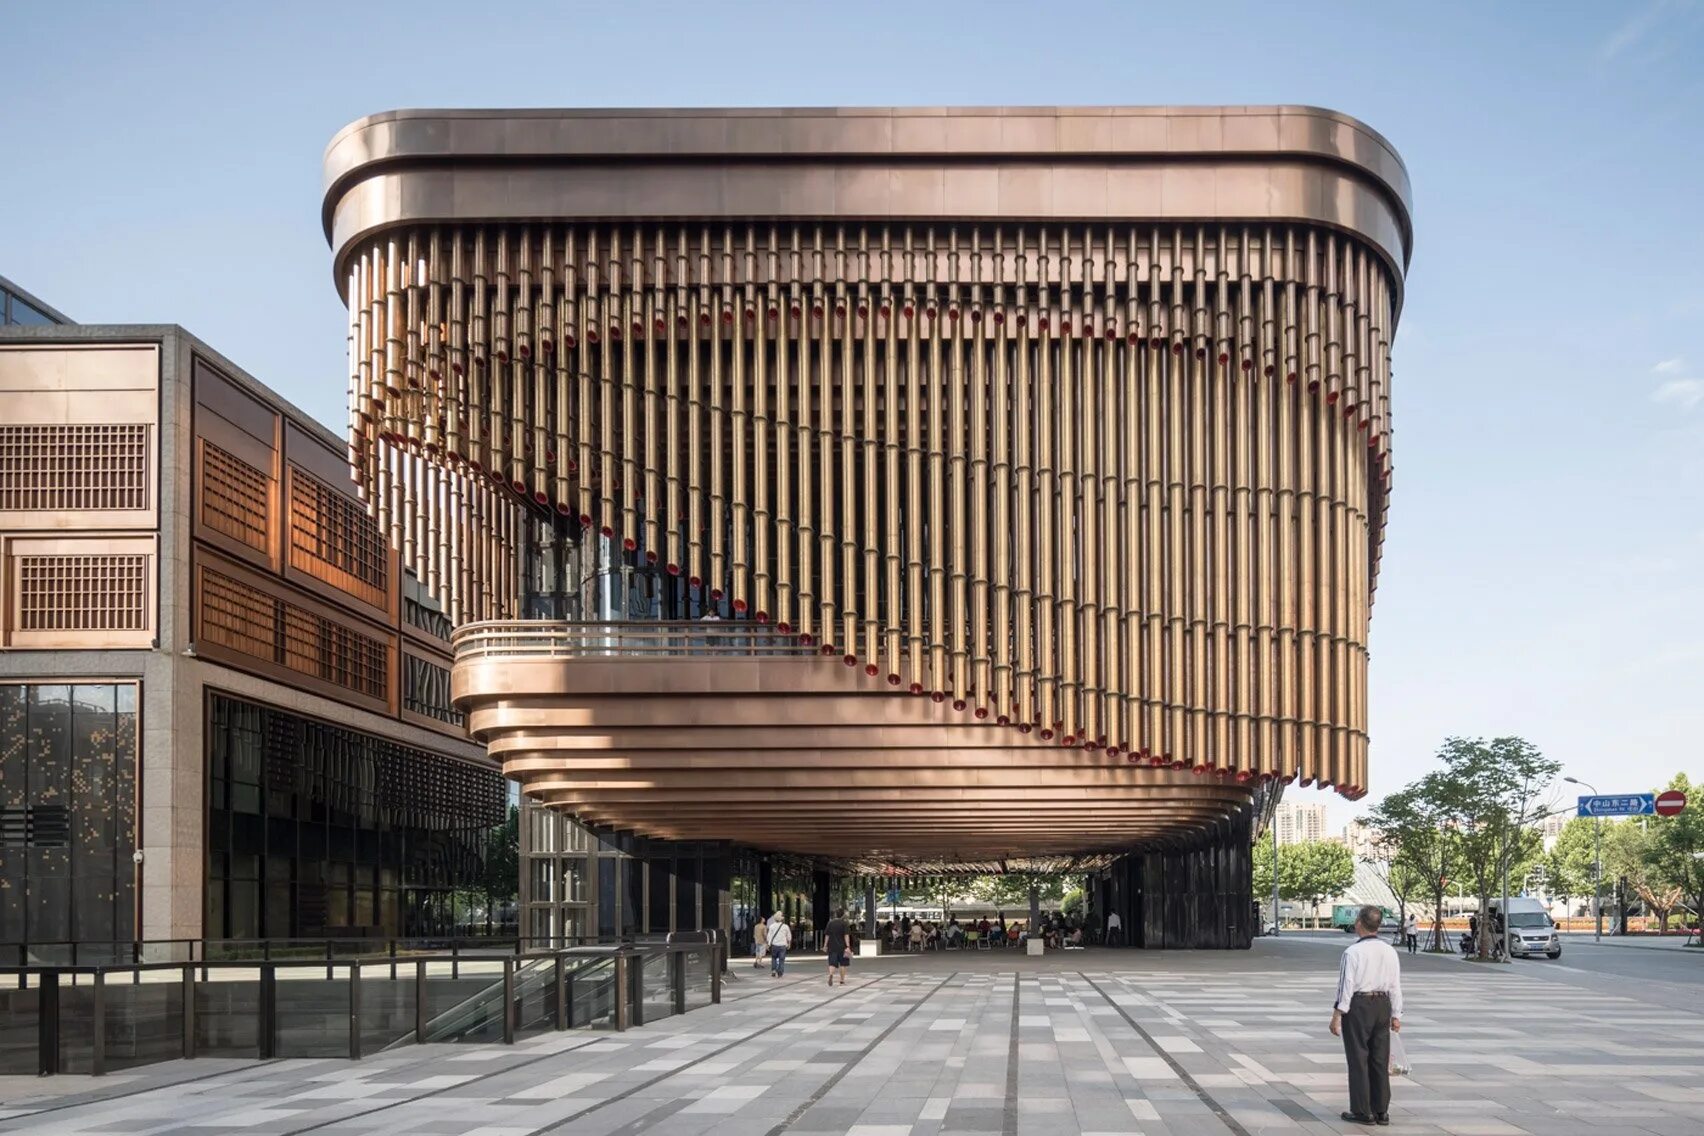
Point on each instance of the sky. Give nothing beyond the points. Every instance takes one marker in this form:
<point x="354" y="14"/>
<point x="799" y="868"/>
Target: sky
<point x="1543" y="573"/>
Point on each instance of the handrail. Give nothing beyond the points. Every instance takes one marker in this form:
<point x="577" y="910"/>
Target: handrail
<point x="350" y="947"/>
<point x="554" y="638"/>
<point x="551" y="996"/>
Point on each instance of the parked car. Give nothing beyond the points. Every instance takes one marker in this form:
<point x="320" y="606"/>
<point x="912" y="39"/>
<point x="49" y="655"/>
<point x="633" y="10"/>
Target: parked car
<point x="1531" y="930"/>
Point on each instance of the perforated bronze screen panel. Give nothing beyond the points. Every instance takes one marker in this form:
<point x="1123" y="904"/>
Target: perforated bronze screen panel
<point x="333" y="538"/>
<point x="233" y="497"/>
<point x="47" y="467"/>
<point x="239" y="617"/>
<point x="83" y="593"/>
<point x="243" y="618"/>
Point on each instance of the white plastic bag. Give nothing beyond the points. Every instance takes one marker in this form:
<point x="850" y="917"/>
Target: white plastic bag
<point x="1399" y="1066"/>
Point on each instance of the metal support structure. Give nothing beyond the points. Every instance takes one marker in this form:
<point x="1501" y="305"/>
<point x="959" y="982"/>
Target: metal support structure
<point x="47" y="1024"/>
<point x="619" y="1004"/>
<point x="560" y="981"/>
<point x="268" y="1028"/>
<point x="1276" y="919"/>
<point x="354" y="1011"/>
<point x="420" y="1002"/>
<point x="508" y="1001"/>
<point x="677" y="980"/>
<point x="97" y="1058"/>
<point x="188" y="1009"/>
<point x="718" y="963"/>
<point x="1597" y="878"/>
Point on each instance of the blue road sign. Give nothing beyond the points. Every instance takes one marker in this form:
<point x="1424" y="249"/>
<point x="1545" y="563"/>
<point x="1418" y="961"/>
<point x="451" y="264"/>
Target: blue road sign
<point x="1630" y="805"/>
<point x="893" y="897"/>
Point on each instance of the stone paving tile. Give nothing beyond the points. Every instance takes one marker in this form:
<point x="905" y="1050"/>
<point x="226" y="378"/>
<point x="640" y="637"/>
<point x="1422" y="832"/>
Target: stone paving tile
<point x="1156" y="1044"/>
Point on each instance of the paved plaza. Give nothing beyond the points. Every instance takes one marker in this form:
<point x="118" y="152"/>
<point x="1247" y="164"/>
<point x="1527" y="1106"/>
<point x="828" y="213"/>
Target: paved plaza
<point x="1080" y="1042"/>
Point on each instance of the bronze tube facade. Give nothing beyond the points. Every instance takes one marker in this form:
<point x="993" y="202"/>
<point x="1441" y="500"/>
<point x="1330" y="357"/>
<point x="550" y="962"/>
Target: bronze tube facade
<point x="1104" y="472"/>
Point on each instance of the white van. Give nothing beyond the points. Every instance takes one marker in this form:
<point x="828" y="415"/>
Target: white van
<point x="1531" y="930"/>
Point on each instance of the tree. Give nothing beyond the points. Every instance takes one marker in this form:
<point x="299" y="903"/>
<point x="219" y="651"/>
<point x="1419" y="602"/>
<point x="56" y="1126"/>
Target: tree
<point x="1071" y="905"/>
<point x="1011" y="890"/>
<point x="500" y="875"/>
<point x="1570" y="863"/>
<point x="1676" y="850"/>
<point x="1310" y="872"/>
<point x="1412" y="828"/>
<point x="1626" y="866"/>
<point x="1491" y="792"/>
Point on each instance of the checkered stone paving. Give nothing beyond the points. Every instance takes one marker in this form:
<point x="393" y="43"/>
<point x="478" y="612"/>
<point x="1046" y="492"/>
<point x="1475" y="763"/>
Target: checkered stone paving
<point x="1080" y="1042"/>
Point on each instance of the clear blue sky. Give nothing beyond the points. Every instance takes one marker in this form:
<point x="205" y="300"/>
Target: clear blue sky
<point x="1544" y="573"/>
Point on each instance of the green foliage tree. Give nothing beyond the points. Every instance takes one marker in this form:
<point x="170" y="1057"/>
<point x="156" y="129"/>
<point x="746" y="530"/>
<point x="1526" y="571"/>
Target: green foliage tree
<point x="1071" y="905"/>
<point x="1491" y="792"/>
<point x="500" y="877"/>
<point x="1010" y="891"/>
<point x="1627" y="867"/>
<point x="1413" y="829"/>
<point x="1569" y="865"/>
<point x="1309" y="873"/>
<point x="1675" y="852"/>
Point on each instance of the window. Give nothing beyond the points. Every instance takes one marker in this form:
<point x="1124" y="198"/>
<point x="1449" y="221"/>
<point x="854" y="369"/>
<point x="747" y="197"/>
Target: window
<point x="426" y="691"/>
<point x="333" y="538"/>
<point x="347" y="833"/>
<point x="240" y="617"/>
<point x="233" y="497"/>
<point x="83" y="593"/>
<point x="58" y="468"/>
<point x="23" y="313"/>
<point x="68" y="813"/>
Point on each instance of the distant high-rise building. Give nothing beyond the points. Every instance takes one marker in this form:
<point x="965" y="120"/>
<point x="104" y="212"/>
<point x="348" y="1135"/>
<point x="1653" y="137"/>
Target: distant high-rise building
<point x="1361" y="840"/>
<point x="1298" y="823"/>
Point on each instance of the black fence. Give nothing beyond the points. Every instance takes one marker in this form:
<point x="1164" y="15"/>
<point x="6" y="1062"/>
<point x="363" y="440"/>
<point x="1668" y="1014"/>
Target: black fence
<point x="98" y="1018"/>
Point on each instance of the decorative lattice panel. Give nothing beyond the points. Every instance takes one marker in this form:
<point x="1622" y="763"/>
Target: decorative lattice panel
<point x="83" y="593"/>
<point x="332" y="537"/>
<point x="54" y="467"/>
<point x="237" y="616"/>
<point x="241" y="617"/>
<point x="234" y="497"/>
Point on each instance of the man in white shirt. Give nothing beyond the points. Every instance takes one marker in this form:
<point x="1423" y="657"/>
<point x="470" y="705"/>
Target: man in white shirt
<point x="1368" y="1008"/>
<point x="1114" y="929"/>
<point x="780" y="938"/>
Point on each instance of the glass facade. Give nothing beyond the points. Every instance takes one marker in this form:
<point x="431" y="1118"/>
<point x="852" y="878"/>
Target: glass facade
<point x="14" y="309"/>
<point x="68" y="812"/>
<point x="315" y="830"/>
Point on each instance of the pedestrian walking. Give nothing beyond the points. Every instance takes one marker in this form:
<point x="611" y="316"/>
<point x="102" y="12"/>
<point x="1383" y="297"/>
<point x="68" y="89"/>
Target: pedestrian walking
<point x="1411" y="932"/>
<point x="759" y="943"/>
<point x="780" y="938"/>
<point x="837" y="941"/>
<point x="1368" y="1009"/>
<point x="1114" y="929"/>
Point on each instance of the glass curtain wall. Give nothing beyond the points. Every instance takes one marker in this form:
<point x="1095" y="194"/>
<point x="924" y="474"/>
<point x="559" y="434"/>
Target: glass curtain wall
<point x="68" y="812"/>
<point x="319" y="831"/>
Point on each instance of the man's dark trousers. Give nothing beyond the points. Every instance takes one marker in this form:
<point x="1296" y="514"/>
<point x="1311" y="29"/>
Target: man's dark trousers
<point x="1366" y="1043"/>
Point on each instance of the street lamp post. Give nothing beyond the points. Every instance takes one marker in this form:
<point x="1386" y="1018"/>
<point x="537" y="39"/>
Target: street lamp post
<point x="1275" y="919"/>
<point x="1597" y="862"/>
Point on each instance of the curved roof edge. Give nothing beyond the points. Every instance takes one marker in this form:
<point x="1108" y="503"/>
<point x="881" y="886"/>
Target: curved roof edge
<point x="403" y="142"/>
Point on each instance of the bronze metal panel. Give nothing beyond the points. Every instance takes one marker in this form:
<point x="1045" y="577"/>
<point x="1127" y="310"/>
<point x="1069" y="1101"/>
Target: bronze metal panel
<point x="1108" y="473"/>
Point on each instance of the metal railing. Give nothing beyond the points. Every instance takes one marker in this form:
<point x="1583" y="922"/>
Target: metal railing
<point x="98" y="1018"/>
<point x="554" y="638"/>
<point x="78" y="953"/>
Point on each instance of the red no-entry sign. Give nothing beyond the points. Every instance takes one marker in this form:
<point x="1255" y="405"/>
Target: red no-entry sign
<point x="1670" y="802"/>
